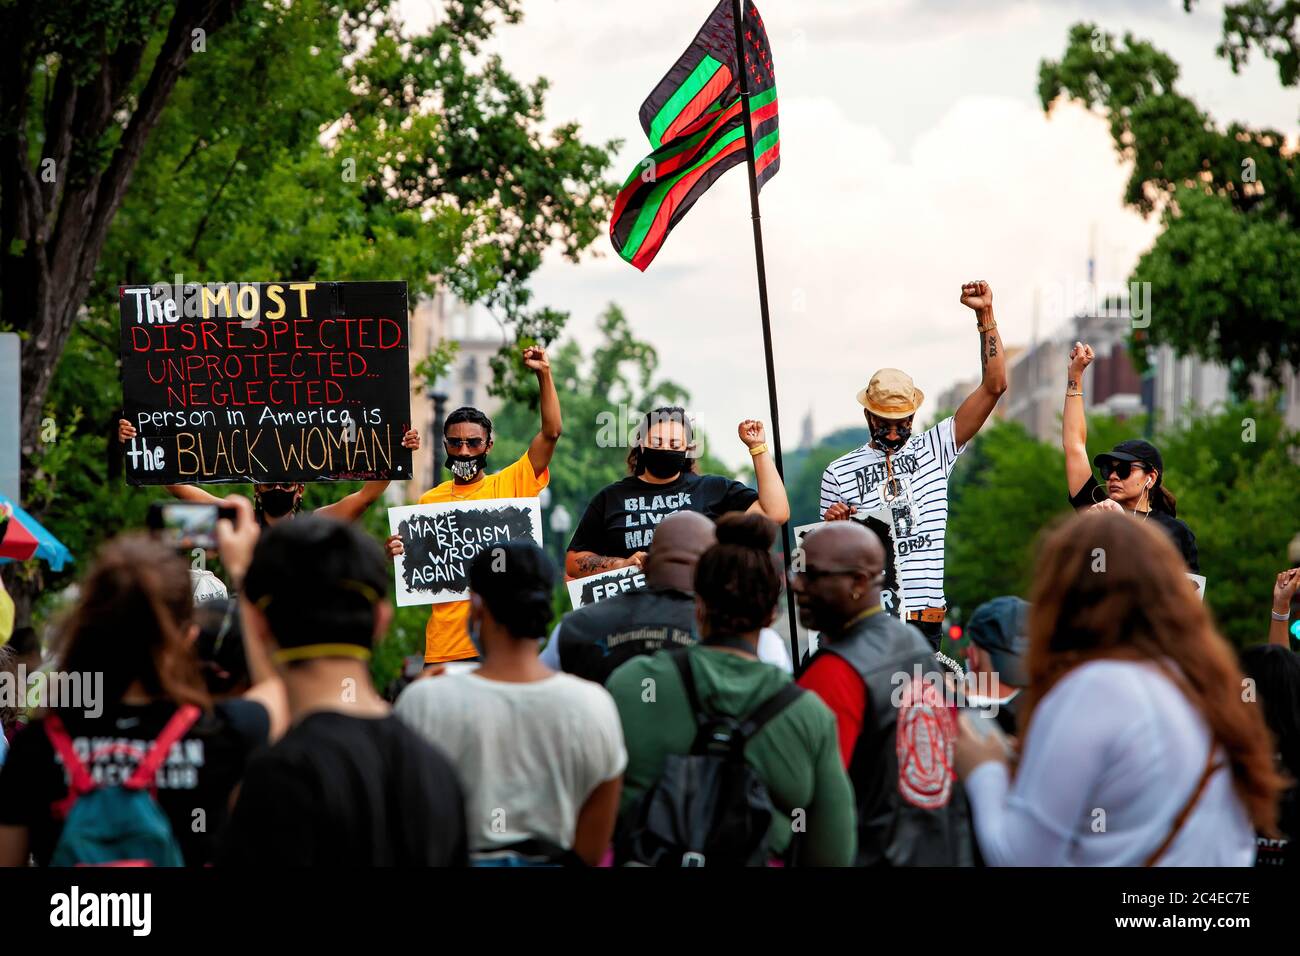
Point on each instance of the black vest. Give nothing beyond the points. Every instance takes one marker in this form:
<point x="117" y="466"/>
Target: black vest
<point x="595" y="640"/>
<point x="911" y="809"/>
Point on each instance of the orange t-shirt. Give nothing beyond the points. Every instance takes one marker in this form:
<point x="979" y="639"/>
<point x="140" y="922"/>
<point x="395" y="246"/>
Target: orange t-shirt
<point x="445" y="636"/>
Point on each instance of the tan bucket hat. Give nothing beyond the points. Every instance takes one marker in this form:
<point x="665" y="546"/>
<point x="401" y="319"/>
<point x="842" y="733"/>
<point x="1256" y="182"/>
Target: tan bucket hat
<point x="891" y="394"/>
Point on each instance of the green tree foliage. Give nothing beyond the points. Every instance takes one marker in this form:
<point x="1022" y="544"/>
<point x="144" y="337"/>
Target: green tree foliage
<point x="1223" y="278"/>
<point x="316" y="139"/>
<point x="1234" y="482"/>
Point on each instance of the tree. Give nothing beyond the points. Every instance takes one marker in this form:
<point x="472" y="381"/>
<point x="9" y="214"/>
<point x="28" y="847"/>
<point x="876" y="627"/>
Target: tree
<point x="266" y="140"/>
<point x="1233" y="473"/>
<point x="144" y="139"/>
<point x="1223" y="284"/>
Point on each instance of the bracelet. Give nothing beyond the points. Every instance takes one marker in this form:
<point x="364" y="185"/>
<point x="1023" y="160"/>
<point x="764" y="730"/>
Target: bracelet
<point x="758" y="450"/>
<point x="1281" y="617"/>
<point x="985" y="328"/>
<point x="1073" y="394"/>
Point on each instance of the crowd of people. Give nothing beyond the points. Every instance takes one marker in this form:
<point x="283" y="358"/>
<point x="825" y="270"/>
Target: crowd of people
<point x="1101" y="721"/>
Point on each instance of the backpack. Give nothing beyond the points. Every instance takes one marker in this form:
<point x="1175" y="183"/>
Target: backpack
<point x="119" y="825"/>
<point x="709" y="807"/>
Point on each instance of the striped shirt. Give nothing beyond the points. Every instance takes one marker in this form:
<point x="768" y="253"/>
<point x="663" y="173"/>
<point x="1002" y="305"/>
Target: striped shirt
<point x="918" y="502"/>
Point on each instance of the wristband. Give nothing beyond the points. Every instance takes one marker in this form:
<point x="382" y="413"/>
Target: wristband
<point x="985" y="328"/>
<point x="1281" y="617"/>
<point x="1073" y="394"/>
<point x="758" y="450"/>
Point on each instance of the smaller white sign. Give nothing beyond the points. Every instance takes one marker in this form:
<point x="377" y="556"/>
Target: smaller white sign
<point x="607" y="584"/>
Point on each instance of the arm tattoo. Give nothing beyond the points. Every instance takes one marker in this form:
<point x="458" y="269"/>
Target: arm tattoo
<point x="984" y="355"/>
<point x="993" y="346"/>
<point x="1073" y="386"/>
<point x="594" y="562"/>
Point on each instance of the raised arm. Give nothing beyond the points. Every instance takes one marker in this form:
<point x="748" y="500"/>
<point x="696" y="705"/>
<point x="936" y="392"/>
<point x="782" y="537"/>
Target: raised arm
<point x="1283" y="591"/>
<point x="353" y="506"/>
<point x="1074" y="425"/>
<point x="542" y="446"/>
<point x="772" y="500"/>
<point x="979" y="405"/>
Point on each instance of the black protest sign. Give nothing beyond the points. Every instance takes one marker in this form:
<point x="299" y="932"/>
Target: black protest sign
<point x="265" y="382"/>
<point x="607" y="584"/>
<point x="440" y="542"/>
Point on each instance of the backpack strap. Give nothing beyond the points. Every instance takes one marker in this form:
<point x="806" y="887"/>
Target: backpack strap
<point x="683" y="663"/>
<point x="778" y="702"/>
<point x="175" y="729"/>
<point x="79" y="779"/>
<point x="1211" y="766"/>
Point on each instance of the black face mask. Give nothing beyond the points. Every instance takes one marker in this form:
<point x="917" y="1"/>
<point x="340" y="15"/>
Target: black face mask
<point x="465" y="467"/>
<point x="276" y="502"/>
<point x="880" y="434"/>
<point x="661" y="462"/>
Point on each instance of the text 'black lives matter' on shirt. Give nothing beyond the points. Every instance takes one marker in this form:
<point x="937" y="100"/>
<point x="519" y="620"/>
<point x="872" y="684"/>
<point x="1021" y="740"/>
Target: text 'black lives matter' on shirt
<point x="621" y="519"/>
<point x="916" y="497"/>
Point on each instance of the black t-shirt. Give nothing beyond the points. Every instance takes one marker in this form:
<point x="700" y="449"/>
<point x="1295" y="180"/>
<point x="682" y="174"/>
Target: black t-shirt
<point x="597" y="639"/>
<point x="199" y="774"/>
<point x="621" y="519"/>
<point x="1184" y="540"/>
<point x="338" y="790"/>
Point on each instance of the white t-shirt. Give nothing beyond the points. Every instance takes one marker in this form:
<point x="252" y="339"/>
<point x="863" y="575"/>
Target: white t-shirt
<point x="1113" y="755"/>
<point x="919" y="504"/>
<point x="529" y="755"/>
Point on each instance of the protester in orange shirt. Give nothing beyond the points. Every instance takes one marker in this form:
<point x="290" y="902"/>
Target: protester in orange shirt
<point x="467" y="436"/>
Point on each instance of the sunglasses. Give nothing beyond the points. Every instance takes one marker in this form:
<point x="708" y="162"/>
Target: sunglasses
<point x="1122" y="469"/>
<point x="474" y="444"/>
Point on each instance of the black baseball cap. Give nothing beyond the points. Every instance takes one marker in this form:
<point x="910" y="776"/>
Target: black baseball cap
<point x="998" y="627"/>
<point x="1134" y="449"/>
<point x="318" y="582"/>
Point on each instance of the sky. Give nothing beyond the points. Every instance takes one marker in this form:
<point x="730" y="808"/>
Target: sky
<point x="915" y="156"/>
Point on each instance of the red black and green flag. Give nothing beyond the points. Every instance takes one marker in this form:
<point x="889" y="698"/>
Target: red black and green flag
<point x="695" y="121"/>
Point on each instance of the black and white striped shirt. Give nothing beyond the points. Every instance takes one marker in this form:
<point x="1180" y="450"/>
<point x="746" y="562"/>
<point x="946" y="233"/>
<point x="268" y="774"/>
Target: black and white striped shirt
<point x="918" y="502"/>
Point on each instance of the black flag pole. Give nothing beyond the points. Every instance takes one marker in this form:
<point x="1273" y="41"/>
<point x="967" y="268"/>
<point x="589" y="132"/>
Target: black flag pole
<point x="738" y="18"/>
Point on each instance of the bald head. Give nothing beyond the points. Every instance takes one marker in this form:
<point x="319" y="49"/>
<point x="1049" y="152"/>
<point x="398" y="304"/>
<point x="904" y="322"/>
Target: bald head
<point x="842" y="564"/>
<point x="679" y="541"/>
<point x="846" y="544"/>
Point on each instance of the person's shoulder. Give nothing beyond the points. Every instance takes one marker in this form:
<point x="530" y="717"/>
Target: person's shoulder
<point x="1118" y="680"/>
<point x="586" y="693"/>
<point x="852" y="456"/>
<point x="247" y="720"/>
<point x="435" y="495"/>
<point x="630" y="674"/>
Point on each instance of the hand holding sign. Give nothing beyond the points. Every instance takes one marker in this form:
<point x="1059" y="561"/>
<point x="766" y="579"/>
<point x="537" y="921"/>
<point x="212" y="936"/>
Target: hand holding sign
<point x="433" y="545"/>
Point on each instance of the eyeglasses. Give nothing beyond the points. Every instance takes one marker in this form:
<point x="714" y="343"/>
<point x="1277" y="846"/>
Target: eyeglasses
<point x="474" y="444"/>
<point x="816" y="574"/>
<point x="1122" y="469"/>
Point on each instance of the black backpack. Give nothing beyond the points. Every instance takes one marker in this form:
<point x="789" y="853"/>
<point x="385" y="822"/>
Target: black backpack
<point x="709" y="807"/>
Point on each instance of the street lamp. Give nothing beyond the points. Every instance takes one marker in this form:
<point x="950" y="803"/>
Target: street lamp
<point x="439" y="414"/>
<point x="561" y="524"/>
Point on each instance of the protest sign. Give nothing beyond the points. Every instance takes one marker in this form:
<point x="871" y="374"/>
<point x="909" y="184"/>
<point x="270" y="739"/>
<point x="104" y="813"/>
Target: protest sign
<point x="607" y="584"/>
<point x="1198" y="581"/>
<point x="440" y="541"/>
<point x="265" y="382"/>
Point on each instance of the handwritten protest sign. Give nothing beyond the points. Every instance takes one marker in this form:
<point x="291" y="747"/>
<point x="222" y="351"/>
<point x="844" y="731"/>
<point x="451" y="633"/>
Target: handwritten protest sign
<point x="265" y="382"/>
<point x="607" y="584"/>
<point x="440" y="541"/>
